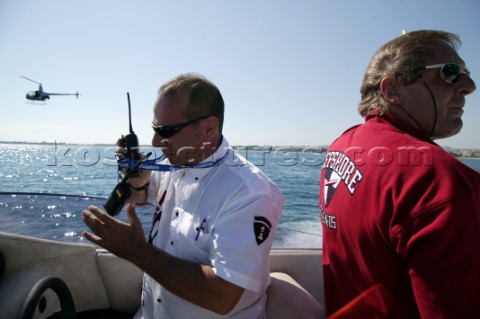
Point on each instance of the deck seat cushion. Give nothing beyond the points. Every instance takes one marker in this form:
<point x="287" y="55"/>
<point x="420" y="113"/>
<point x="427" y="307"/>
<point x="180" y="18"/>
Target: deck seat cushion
<point x="288" y="300"/>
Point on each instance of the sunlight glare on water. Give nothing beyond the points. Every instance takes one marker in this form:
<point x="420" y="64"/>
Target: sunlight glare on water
<point x="47" y="170"/>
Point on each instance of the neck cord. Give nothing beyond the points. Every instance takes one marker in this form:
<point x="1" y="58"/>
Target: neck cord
<point x="153" y="165"/>
<point x="411" y="118"/>
<point x="435" y="108"/>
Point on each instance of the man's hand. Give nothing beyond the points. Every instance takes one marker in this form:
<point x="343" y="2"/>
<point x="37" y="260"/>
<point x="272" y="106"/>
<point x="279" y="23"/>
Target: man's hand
<point x="122" y="239"/>
<point x="143" y="177"/>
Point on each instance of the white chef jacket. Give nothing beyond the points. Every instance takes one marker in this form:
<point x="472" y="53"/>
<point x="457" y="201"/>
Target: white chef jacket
<point x="224" y="216"/>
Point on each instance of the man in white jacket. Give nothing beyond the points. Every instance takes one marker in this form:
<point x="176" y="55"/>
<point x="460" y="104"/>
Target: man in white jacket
<point x="215" y="215"/>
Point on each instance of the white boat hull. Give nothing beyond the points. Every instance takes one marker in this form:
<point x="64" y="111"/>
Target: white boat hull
<point x="99" y="280"/>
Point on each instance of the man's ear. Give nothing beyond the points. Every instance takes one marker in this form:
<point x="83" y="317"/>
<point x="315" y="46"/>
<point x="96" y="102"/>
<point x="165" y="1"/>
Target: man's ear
<point x="210" y="127"/>
<point x="391" y="91"/>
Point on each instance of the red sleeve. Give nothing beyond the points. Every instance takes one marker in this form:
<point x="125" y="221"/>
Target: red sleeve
<point x="441" y="250"/>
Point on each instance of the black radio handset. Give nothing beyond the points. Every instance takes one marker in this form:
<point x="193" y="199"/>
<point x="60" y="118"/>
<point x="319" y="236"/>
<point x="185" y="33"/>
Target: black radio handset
<point x="131" y="140"/>
<point x="122" y="191"/>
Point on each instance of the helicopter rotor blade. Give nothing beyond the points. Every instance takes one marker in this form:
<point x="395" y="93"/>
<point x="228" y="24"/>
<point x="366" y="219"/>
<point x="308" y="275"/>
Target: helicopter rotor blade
<point x="29" y="79"/>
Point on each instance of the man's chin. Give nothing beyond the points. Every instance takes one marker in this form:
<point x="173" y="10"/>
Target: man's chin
<point x="454" y="130"/>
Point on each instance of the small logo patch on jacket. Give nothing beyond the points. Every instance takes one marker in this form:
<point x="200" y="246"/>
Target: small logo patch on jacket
<point x="261" y="229"/>
<point x="330" y="185"/>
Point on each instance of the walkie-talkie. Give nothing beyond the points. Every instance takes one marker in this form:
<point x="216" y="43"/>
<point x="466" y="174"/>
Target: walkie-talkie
<point x="131" y="140"/>
<point x="122" y="191"/>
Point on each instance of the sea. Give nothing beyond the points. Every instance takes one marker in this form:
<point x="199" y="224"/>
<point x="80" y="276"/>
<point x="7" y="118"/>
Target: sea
<point x="45" y="187"/>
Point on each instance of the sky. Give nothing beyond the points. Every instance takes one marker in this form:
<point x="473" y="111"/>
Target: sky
<point x="289" y="71"/>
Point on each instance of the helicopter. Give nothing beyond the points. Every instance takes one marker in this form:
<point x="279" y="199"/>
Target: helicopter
<point x="40" y="95"/>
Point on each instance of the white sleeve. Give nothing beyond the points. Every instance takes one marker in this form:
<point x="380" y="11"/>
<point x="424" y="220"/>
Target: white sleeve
<point x="155" y="180"/>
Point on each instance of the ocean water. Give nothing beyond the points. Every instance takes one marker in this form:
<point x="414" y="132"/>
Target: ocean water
<point x="54" y="183"/>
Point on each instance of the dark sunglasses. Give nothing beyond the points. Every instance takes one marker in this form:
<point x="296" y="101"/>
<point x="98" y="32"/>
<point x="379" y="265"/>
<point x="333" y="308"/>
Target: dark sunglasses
<point x="450" y="72"/>
<point x="167" y="131"/>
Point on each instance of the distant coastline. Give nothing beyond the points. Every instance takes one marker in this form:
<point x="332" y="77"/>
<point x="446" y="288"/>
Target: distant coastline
<point x="51" y="143"/>
<point x="457" y="152"/>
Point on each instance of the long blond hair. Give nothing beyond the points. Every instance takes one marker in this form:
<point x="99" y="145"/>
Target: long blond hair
<point x="401" y="58"/>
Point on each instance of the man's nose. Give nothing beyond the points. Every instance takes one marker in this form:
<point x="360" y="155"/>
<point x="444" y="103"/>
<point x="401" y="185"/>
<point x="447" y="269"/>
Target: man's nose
<point x="158" y="141"/>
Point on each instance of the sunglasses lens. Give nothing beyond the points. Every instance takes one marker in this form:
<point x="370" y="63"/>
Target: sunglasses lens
<point x="451" y="72"/>
<point x="169" y="131"/>
<point x="164" y="132"/>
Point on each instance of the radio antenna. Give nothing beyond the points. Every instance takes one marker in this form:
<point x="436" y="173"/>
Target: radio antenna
<point x="130" y="114"/>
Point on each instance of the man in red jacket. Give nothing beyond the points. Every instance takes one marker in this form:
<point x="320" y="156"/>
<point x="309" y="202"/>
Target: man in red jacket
<point x="398" y="212"/>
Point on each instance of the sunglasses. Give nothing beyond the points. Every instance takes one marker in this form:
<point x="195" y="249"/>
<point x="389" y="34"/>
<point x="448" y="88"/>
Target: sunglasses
<point x="450" y="72"/>
<point x="167" y="131"/>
